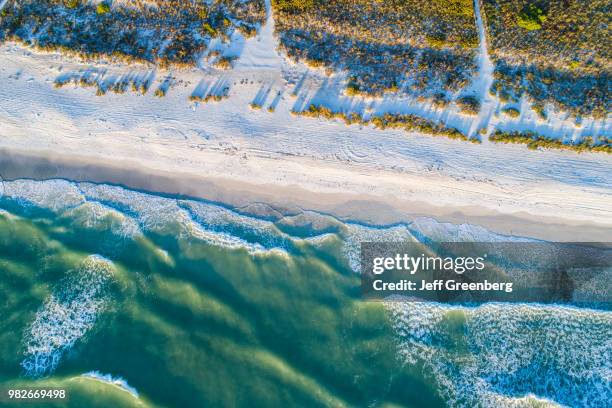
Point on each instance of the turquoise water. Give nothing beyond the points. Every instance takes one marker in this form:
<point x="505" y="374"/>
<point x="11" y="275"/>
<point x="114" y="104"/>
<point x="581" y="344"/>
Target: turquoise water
<point x="130" y="299"/>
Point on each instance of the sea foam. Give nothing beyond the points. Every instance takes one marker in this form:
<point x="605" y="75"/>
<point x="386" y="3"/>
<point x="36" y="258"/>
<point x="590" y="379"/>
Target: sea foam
<point x="98" y="216"/>
<point x="355" y="234"/>
<point x="212" y="224"/>
<point x="130" y="213"/>
<point x="507" y="355"/>
<point x="503" y="355"/>
<point x="67" y="315"/>
<point x="430" y="230"/>
<point x="54" y="195"/>
<point x="112" y="380"/>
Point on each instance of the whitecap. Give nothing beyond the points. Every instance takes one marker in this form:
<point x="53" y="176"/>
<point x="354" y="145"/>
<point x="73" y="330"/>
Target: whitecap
<point x="54" y="195"/>
<point x="96" y="215"/>
<point x="355" y="234"/>
<point x="216" y="218"/>
<point x="212" y="224"/>
<point x="112" y="380"/>
<point x="7" y="214"/>
<point x="500" y="354"/>
<point x="153" y="213"/>
<point x="431" y="230"/>
<point x="67" y="315"/>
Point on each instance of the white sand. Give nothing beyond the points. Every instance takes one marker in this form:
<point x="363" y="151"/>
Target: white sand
<point x="293" y="161"/>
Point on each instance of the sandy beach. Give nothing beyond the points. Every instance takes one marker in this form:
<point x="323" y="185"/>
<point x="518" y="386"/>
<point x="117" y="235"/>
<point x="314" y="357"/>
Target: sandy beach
<point x="229" y="152"/>
<point x="249" y="203"/>
<point x="272" y="200"/>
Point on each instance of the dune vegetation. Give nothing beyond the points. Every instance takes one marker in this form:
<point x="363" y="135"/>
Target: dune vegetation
<point x="163" y="32"/>
<point x="553" y="52"/>
<point x="421" y="48"/>
<point x="406" y="122"/>
<point x="535" y="141"/>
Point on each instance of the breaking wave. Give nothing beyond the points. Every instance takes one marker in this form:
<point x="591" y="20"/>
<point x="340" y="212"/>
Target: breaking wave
<point x="67" y="315"/>
<point x="210" y="223"/>
<point x="98" y="216"/>
<point x="492" y="355"/>
<point x="127" y="214"/>
<point x="430" y="230"/>
<point x="115" y="381"/>
<point x="355" y="234"/>
<point x="505" y="355"/>
<point x="54" y="195"/>
<point x="424" y="230"/>
<point x="508" y="355"/>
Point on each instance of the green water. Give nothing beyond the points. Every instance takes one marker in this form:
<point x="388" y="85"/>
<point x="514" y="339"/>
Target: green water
<point x="129" y="299"/>
<point x="200" y="324"/>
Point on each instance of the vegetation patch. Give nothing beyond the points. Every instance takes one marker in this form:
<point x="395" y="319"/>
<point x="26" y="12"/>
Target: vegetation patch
<point x="554" y="52"/>
<point x="163" y="32"/>
<point x="407" y="122"/>
<point x="540" y="110"/>
<point x="430" y="46"/>
<point x="102" y="8"/>
<point x="138" y="84"/>
<point x="205" y="93"/>
<point x="535" y="141"/>
<point x="208" y="98"/>
<point x="531" y="18"/>
<point x="293" y="6"/>
<point x="469" y="105"/>
<point x="585" y="94"/>
<point x="224" y="63"/>
<point x="160" y="92"/>
<point x="512" y="112"/>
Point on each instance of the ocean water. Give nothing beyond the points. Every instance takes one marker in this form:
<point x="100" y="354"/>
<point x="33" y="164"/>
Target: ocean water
<point x="130" y="299"/>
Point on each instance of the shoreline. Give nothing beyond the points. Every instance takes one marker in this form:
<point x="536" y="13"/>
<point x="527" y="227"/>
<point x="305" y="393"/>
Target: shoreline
<point x="228" y="153"/>
<point x="271" y="201"/>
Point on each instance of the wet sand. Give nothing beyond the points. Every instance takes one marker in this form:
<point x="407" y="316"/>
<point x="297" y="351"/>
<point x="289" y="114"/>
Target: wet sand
<point x="273" y="200"/>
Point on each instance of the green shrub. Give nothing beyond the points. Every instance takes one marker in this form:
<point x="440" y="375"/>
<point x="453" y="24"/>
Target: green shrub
<point x="208" y="29"/>
<point x="102" y="8"/>
<point x="408" y="123"/>
<point x="540" y="110"/>
<point x="535" y="141"/>
<point x="208" y="98"/>
<point x="71" y="4"/>
<point x="224" y="63"/>
<point x="512" y="112"/>
<point x="469" y="105"/>
<point x="119" y="31"/>
<point x="202" y="14"/>
<point x="436" y="40"/>
<point x="247" y="31"/>
<point x="531" y="18"/>
<point x="352" y="88"/>
<point x="293" y="6"/>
